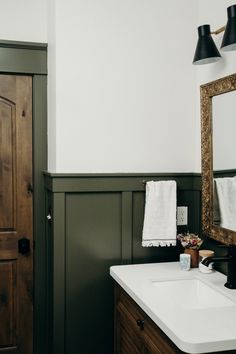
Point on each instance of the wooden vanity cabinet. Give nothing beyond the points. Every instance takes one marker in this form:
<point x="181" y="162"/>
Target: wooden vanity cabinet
<point x="135" y="332"/>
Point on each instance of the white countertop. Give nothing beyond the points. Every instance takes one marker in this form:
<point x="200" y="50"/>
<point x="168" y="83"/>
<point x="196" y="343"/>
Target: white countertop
<point x="201" y="330"/>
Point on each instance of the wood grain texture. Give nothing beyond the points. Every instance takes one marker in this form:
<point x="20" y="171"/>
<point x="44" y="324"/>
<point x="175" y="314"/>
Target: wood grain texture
<point x="8" y="246"/>
<point x="8" y="164"/>
<point x="24" y="212"/>
<point x="8" y="304"/>
<point x="16" y="282"/>
<point x="151" y="339"/>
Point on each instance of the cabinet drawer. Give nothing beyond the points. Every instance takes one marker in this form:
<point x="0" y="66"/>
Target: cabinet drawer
<point x="138" y="323"/>
<point x="130" y="342"/>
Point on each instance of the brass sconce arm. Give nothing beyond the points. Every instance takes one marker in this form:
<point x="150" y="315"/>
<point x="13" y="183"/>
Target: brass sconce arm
<point x="219" y="30"/>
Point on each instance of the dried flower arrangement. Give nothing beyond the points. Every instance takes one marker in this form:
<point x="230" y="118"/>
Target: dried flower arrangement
<point x="188" y="240"/>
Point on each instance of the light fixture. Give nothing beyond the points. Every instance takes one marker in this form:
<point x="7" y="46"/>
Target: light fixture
<point x="206" y="50"/>
<point x="229" y="39"/>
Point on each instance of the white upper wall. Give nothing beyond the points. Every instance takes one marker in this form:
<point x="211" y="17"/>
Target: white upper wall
<point x="52" y="63"/>
<point x="23" y="20"/>
<point x="125" y="86"/>
<point x="123" y="94"/>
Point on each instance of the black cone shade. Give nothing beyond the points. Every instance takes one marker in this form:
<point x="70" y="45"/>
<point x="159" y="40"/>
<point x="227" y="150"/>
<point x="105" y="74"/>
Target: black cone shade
<point x="229" y="39"/>
<point x="206" y="51"/>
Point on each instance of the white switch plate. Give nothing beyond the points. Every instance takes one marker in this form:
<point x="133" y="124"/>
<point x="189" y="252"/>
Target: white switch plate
<point x="182" y="215"/>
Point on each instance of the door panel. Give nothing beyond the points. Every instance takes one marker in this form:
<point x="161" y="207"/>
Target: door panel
<point x="8" y="304"/>
<point x="8" y="165"/>
<point x="16" y="282"/>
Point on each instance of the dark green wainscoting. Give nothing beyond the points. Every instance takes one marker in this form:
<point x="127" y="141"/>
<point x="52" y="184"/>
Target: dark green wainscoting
<point x="97" y="222"/>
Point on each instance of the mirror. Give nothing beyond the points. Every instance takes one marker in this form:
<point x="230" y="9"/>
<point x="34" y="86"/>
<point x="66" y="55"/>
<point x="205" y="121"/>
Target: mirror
<point x="218" y="126"/>
<point x="224" y="160"/>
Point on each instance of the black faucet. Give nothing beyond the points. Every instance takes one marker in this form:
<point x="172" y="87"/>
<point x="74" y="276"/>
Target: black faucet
<point x="231" y="260"/>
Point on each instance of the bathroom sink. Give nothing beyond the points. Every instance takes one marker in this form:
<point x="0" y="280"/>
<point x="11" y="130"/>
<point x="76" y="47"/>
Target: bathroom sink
<point x="191" y="294"/>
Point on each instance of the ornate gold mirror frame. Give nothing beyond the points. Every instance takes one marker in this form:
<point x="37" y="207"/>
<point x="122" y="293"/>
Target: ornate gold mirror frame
<point x="208" y="91"/>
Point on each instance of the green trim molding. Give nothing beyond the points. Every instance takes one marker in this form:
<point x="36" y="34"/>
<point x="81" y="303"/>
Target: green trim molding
<point x="23" y="57"/>
<point x="71" y="182"/>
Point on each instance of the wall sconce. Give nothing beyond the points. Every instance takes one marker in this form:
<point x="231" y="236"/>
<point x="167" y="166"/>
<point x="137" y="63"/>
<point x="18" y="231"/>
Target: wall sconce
<point x="206" y="50"/>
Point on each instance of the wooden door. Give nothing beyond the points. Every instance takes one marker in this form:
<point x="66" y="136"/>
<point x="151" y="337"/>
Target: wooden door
<point x="16" y="260"/>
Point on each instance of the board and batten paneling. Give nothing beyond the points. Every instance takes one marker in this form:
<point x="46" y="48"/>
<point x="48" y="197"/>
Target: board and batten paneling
<point x="97" y="222"/>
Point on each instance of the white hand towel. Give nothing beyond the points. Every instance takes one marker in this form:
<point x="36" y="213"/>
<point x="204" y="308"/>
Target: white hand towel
<point x="159" y="227"/>
<point x="226" y="191"/>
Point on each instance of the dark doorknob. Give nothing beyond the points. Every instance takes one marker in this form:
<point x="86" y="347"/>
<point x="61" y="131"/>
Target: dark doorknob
<point x="140" y="323"/>
<point x="24" y="245"/>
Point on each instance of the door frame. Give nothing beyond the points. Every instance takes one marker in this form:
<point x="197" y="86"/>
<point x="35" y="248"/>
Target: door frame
<point x="26" y="58"/>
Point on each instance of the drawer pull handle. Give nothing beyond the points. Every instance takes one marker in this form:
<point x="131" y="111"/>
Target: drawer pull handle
<point x="140" y="323"/>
